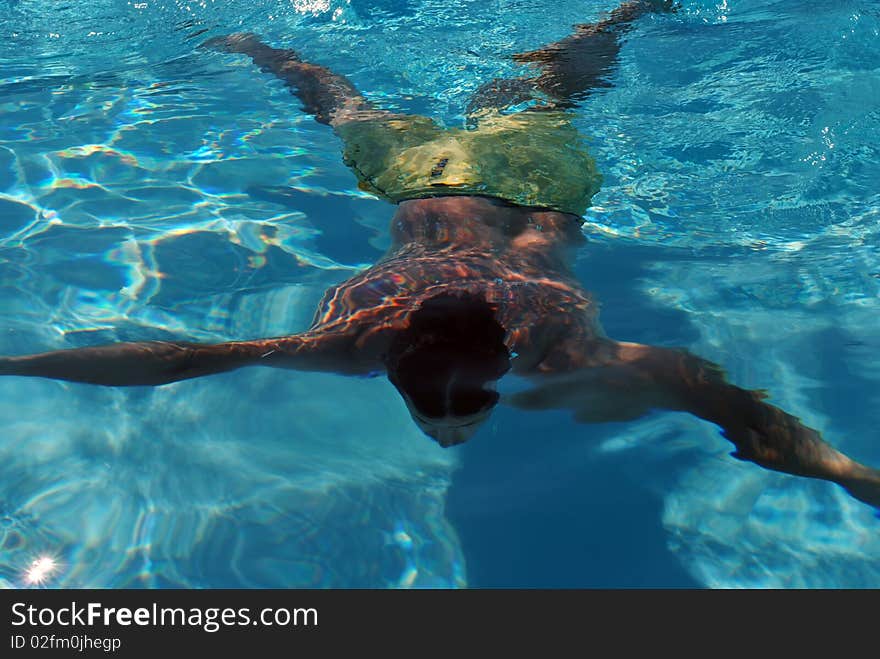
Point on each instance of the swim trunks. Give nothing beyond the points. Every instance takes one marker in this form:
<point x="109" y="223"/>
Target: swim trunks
<point x="530" y="158"/>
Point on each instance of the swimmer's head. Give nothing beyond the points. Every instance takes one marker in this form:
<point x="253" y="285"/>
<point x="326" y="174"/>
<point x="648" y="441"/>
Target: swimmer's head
<point x="446" y="363"/>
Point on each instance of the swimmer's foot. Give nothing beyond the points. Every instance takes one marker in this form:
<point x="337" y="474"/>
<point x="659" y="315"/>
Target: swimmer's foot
<point x="629" y="11"/>
<point x="583" y="62"/>
<point x="330" y="97"/>
<point x="231" y="43"/>
<point x="247" y="43"/>
<point x="662" y="6"/>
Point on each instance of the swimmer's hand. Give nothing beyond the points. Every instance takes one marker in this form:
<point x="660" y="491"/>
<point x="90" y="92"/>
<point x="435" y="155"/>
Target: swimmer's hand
<point x="632" y="379"/>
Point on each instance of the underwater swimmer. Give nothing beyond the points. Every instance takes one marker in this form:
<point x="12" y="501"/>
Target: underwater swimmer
<point x="479" y="272"/>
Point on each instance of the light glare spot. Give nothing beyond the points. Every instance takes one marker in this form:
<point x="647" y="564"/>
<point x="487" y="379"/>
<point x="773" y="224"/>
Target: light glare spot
<point x="40" y="570"/>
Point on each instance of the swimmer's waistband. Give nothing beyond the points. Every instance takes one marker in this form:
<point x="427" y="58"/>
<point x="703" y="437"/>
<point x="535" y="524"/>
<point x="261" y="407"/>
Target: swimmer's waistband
<point x="530" y="158"/>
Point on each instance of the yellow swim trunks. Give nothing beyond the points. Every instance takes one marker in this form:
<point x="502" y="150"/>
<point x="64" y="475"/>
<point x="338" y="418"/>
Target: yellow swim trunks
<point x="530" y="158"/>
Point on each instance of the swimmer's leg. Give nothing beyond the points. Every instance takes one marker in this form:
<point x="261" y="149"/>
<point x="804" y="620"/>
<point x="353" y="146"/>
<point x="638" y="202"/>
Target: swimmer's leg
<point x="154" y="363"/>
<point x="630" y="379"/>
<point x="570" y="68"/>
<point x="330" y="97"/>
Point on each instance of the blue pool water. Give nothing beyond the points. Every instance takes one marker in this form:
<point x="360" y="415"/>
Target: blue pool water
<point x="149" y="190"/>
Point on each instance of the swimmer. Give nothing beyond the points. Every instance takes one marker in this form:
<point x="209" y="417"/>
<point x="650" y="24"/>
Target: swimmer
<point x="478" y="280"/>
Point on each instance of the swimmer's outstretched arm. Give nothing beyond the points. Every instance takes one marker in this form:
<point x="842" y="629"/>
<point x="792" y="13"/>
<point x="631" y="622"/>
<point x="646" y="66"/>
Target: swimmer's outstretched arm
<point x="584" y="60"/>
<point x="155" y="363"/>
<point x="634" y="379"/>
<point x="330" y="97"/>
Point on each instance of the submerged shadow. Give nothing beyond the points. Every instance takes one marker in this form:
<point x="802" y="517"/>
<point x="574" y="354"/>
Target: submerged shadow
<point x="535" y="506"/>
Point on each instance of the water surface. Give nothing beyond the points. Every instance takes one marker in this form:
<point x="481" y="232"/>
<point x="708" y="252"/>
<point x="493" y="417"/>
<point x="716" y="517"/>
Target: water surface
<point x="149" y="190"/>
